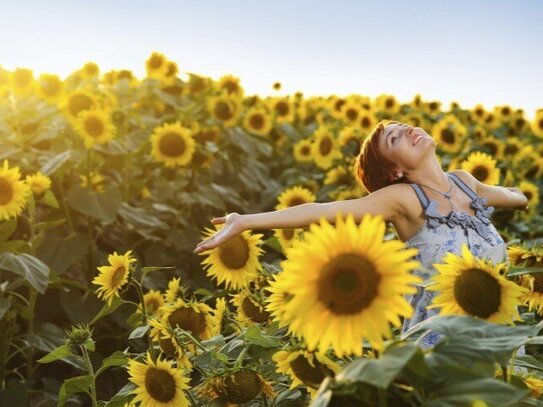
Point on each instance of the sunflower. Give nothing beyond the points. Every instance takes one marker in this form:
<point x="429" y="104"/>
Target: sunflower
<point x="477" y="113"/>
<point x="77" y="102"/>
<point x="287" y="236"/>
<point x="96" y="181"/>
<point x="302" y="151"/>
<point x="512" y="147"/>
<point x="169" y="344"/>
<point x="339" y="176"/>
<point x="537" y="123"/>
<point x="483" y="167"/>
<point x="172" y="144"/>
<point x="535" y="384"/>
<point x="351" y="112"/>
<point x="158" y="383"/>
<point x="277" y="299"/>
<point x="153" y="302"/>
<point x="347" y="284"/>
<point x="305" y="368"/>
<point x="50" y="87"/>
<point x="387" y="104"/>
<point x="257" y="121"/>
<point x="156" y="66"/>
<point x="529" y="257"/>
<point x="293" y="196"/>
<point x="533" y="167"/>
<point x="492" y="146"/>
<point x="38" y="183"/>
<point x="22" y="81"/>
<point x="113" y="277"/>
<point x="95" y="127"/>
<point x="469" y="285"/>
<point x="230" y="85"/>
<point x="218" y="316"/>
<point x="250" y="309"/>
<point x="225" y="109"/>
<point x="236" y="386"/>
<point x="194" y="317"/>
<point x="235" y="262"/>
<point x="532" y="193"/>
<point x="174" y="291"/>
<point x="448" y="135"/>
<point x="324" y="149"/>
<point x="171" y="73"/>
<point x="90" y="70"/>
<point x="350" y="134"/>
<point x="283" y="110"/>
<point x="13" y="192"/>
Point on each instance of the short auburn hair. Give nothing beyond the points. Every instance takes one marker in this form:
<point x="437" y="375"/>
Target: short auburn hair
<point x="371" y="168"/>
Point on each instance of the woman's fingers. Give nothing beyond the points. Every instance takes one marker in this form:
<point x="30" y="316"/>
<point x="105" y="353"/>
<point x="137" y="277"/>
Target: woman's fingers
<point x="216" y="221"/>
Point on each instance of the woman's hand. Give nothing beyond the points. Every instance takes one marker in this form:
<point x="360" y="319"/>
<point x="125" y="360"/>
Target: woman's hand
<point x="233" y="226"/>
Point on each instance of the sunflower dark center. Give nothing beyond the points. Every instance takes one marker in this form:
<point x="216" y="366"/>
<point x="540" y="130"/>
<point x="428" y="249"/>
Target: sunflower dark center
<point x="189" y="320"/>
<point x="167" y="346"/>
<point x="257" y="121"/>
<point x="448" y="136"/>
<point x="510" y="149"/>
<point x="325" y="146"/>
<point x="528" y="195"/>
<point x="540" y="124"/>
<point x="240" y="387"/>
<point x="51" y="87"/>
<point x="389" y="103"/>
<point x="171" y="145"/>
<point x="352" y="114"/>
<point x="223" y="110"/>
<point x="152" y="304"/>
<point x="117" y="276"/>
<point x="478" y="293"/>
<point x="480" y="172"/>
<point x="365" y="122"/>
<point x="339" y="103"/>
<point x="348" y="284"/>
<point x="6" y="191"/>
<point x="78" y="103"/>
<point x="311" y="376"/>
<point x="252" y="311"/>
<point x="234" y="253"/>
<point x="295" y="200"/>
<point x="532" y="171"/>
<point x="492" y="148"/>
<point x="305" y="150"/>
<point x="282" y="108"/>
<point x="288" y="233"/>
<point x="94" y="126"/>
<point x="231" y="87"/>
<point x="160" y="384"/>
<point x="506" y="111"/>
<point x="156" y="61"/>
<point x="538" y="282"/>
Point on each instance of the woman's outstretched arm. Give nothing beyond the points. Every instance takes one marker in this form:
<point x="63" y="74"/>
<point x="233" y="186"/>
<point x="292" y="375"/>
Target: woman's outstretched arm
<point x="385" y="202"/>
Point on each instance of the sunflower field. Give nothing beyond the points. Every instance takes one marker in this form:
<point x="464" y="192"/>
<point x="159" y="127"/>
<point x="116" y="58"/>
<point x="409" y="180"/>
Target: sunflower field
<point x="109" y="181"/>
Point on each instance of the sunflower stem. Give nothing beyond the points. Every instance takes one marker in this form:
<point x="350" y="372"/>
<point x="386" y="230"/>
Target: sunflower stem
<point x="382" y="398"/>
<point x="239" y="360"/>
<point x="195" y="341"/>
<point x="91" y="373"/>
<point x="504" y="373"/>
<point x="192" y="401"/>
<point x="136" y="284"/>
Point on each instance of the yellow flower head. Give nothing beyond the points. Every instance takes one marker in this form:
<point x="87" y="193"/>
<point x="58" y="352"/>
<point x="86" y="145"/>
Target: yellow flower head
<point x="113" y="277"/>
<point x="95" y="127"/>
<point x="173" y="144"/>
<point x="38" y="182"/>
<point x="13" y="192"/>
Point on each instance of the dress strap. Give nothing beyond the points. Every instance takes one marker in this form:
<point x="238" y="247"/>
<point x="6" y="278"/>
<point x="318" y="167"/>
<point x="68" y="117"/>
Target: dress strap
<point x="463" y="186"/>
<point x="424" y="201"/>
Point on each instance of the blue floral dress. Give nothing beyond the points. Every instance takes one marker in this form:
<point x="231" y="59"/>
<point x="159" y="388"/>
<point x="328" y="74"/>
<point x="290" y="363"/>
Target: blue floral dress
<point x="441" y="234"/>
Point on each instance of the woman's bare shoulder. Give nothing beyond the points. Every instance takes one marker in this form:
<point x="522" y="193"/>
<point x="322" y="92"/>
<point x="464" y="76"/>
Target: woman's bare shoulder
<point x="403" y="196"/>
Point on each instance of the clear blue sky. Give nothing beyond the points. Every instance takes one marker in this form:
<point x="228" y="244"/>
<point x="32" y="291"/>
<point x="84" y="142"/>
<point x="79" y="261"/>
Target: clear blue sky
<point x="468" y="51"/>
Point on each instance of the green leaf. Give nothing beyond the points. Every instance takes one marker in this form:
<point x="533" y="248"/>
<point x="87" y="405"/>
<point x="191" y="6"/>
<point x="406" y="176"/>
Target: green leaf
<point x="29" y="267"/>
<point x="381" y="372"/>
<point x="55" y="163"/>
<point x="5" y="305"/>
<point x="14" y="394"/>
<point x="78" y="384"/>
<point x="254" y="335"/>
<point x="107" y="309"/>
<point x="517" y="271"/>
<point x="118" y="358"/>
<point x="59" y="353"/>
<point x="49" y="199"/>
<point x="99" y="205"/>
<point x="60" y="252"/>
<point x="139" y="332"/>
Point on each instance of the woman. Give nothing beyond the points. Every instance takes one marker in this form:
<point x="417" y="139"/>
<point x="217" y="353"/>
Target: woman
<point x="432" y="210"/>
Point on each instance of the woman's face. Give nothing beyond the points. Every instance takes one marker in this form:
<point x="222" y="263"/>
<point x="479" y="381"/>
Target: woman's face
<point x="405" y="145"/>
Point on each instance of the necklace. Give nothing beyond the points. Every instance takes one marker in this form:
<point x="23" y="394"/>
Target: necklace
<point x="446" y="194"/>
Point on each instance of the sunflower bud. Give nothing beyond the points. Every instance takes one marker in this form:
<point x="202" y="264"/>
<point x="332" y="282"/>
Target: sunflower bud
<point x="79" y="335"/>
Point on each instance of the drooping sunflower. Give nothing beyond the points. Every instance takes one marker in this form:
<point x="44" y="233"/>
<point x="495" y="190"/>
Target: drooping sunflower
<point x="78" y="101"/>
<point x="302" y="150"/>
<point x="257" y="121"/>
<point x="50" y="87"/>
<point x="236" y="386"/>
<point x="470" y="285"/>
<point x="305" y="368"/>
<point x="13" y="192"/>
<point x="158" y="384"/>
<point x="287" y="236"/>
<point x="324" y="148"/>
<point x="38" y="183"/>
<point x="113" y="277"/>
<point x="172" y="144"/>
<point x="293" y="196"/>
<point x="226" y="109"/>
<point x="94" y="126"/>
<point x="483" y="167"/>
<point x="347" y="284"/>
<point x="235" y="262"/>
